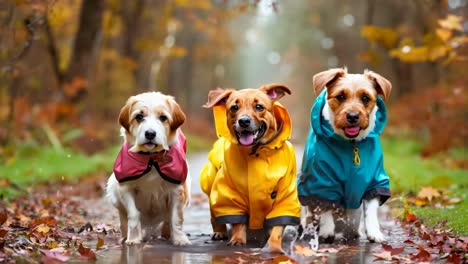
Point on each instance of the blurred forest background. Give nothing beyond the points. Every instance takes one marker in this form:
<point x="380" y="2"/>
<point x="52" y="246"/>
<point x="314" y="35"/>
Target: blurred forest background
<point x="68" y="66"/>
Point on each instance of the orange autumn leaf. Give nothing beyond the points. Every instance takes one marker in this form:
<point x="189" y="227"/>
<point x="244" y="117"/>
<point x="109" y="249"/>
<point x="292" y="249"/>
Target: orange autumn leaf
<point x="428" y="193"/>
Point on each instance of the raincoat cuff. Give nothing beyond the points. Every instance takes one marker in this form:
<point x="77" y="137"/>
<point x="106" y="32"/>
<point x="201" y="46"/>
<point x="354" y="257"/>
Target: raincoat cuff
<point x="314" y="201"/>
<point x="382" y="193"/>
<point x="232" y="219"/>
<point x="283" y="220"/>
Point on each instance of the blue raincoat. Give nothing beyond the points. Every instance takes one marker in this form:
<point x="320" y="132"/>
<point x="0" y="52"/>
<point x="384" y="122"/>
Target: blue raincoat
<point x="329" y="171"/>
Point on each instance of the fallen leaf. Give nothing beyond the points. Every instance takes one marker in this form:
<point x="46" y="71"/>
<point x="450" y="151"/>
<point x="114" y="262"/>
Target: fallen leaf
<point x="408" y="241"/>
<point x="3" y="233"/>
<point x="306" y="251"/>
<point x="422" y="255"/>
<point x="3" y="215"/>
<point x="428" y="193"/>
<point x="55" y="255"/>
<point x="99" y="243"/>
<point x="86" y="253"/>
<point x="43" y="229"/>
<point x="393" y="251"/>
<point x="409" y="217"/>
<point x="384" y="255"/>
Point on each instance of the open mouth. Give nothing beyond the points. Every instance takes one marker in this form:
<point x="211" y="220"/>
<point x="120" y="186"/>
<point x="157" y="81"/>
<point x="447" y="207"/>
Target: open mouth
<point x="249" y="138"/>
<point x="352" y="132"/>
<point x="150" y="145"/>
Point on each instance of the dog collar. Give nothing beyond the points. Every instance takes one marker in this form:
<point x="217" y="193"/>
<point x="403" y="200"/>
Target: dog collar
<point x="171" y="165"/>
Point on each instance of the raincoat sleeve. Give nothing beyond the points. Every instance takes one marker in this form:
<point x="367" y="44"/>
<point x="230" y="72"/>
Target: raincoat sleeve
<point x="286" y="208"/>
<point x="209" y="171"/>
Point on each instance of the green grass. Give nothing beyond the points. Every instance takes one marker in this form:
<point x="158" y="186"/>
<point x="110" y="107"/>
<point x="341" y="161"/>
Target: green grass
<point x="36" y="164"/>
<point x="33" y="164"/>
<point x="409" y="172"/>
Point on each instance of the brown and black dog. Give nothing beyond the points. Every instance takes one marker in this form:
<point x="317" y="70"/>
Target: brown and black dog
<point x="251" y="175"/>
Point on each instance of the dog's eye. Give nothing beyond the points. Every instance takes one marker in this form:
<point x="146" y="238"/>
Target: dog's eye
<point x="234" y="108"/>
<point x="163" y="118"/>
<point x="259" y="107"/>
<point x="341" y="97"/>
<point x="365" y="99"/>
<point x="139" y="118"/>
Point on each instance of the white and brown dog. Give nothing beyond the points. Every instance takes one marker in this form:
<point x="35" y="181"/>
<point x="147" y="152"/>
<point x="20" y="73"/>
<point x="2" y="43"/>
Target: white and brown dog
<point x="150" y="185"/>
<point x="342" y="167"/>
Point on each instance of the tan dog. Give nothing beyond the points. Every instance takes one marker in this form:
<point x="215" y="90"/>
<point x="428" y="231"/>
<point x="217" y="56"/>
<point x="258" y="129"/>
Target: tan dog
<point x="150" y="184"/>
<point x="250" y="179"/>
<point x="342" y="167"/>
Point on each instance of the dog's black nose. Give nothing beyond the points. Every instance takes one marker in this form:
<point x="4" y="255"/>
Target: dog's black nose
<point x="352" y="117"/>
<point x="244" y="121"/>
<point x="150" y="134"/>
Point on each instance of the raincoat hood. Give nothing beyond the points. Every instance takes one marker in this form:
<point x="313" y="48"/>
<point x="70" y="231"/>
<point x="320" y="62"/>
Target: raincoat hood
<point x="339" y="170"/>
<point x="258" y="189"/>
<point x="171" y="165"/>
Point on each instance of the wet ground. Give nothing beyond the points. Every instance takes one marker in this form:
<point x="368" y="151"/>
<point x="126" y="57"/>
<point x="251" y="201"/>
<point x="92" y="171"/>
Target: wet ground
<point x="204" y="250"/>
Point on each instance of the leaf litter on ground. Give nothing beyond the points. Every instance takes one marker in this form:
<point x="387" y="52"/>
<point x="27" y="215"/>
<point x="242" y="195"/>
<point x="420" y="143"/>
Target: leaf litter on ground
<point x="49" y="227"/>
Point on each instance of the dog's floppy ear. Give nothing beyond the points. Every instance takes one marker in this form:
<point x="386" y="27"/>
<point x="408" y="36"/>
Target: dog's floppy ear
<point x="178" y="116"/>
<point x="275" y="91"/>
<point x="124" y="116"/>
<point x="382" y="85"/>
<point x="217" y="96"/>
<point x="325" y="78"/>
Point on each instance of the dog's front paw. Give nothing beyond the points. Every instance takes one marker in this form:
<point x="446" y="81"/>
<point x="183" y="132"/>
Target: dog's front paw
<point x="236" y="242"/>
<point x="181" y="241"/>
<point x="134" y="241"/>
<point x="375" y="236"/>
<point x="327" y="231"/>
<point x="219" y="236"/>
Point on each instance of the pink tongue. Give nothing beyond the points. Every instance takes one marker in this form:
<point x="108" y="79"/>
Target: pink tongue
<point x="352" y="131"/>
<point x="246" y="139"/>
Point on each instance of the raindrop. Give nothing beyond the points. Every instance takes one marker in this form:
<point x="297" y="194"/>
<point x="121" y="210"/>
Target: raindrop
<point x="406" y="49"/>
<point x="68" y="156"/>
<point x="348" y="20"/>
<point x="332" y="61"/>
<point x="327" y="43"/>
<point x="169" y="41"/>
<point x="63" y="178"/>
<point x="274" y="57"/>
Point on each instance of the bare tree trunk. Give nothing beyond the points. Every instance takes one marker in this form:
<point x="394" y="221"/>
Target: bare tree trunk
<point x="76" y="77"/>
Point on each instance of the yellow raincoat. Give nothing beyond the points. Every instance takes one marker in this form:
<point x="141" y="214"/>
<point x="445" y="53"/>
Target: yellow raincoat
<point x="257" y="189"/>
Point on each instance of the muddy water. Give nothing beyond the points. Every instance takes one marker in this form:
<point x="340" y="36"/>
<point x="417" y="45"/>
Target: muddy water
<point x="203" y="250"/>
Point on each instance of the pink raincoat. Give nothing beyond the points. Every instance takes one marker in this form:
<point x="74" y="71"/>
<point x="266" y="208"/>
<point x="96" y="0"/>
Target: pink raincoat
<point x="171" y="164"/>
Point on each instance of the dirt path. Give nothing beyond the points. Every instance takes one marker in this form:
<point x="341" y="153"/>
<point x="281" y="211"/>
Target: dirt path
<point x="75" y="222"/>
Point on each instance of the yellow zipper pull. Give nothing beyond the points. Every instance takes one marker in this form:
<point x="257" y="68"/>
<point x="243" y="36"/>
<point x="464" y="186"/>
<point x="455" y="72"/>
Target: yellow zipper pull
<point x="357" y="160"/>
